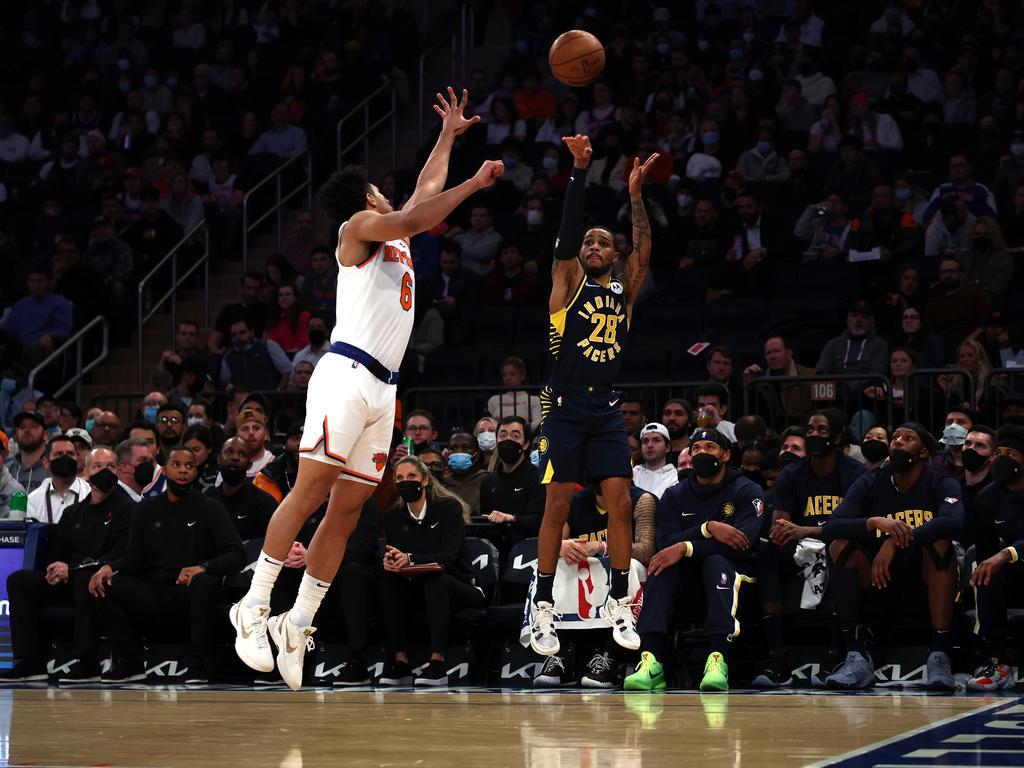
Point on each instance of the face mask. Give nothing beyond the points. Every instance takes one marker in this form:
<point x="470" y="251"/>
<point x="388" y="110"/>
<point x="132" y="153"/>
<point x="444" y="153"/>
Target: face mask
<point x="748" y="37"/>
<point x="409" y="490"/>
<point x="874" y="450"/>
<point x="535" y="457"/>
<point x="705" y="465"/>
<point x="509" y="451"/>
<point x="534" y="217"/>
<point x="487" y="441"/>
<point x="149" y="413"/>
<point x="1005" y="470"/>
<point x="754" y="476"/>
<point x="460" y="462"/>
<point x="756" y="75"/>
<point x="818" y="445"/>
<point x="684" y="201"/>
<point x="901" y="460"/>
<point x="104" y="480"/>
<point x="196" y="420"/>
<point x="709" y="137"/>
<point x="903" y="193"/>
<point x="972" y="460"/>
<point x="1017" y="149"/>
<point x="232" y="475"/>
<point x="89" y="424"/>
<point x="124" y="86"/>
<point x="954" y="435"/>
<point x="703" y="45"/>
<point x="685" y="474"/>
<point x="150" y="81"/>
<point x="172" y="82"/>
<point x="317" y="338"/>
<point x="179" y="489"/>
<point x="143" y="474"/>
<point x="735" y="54"/>
<point x="982" y="244"/>
<point x="124" y="64"/>
<point x="663" y="48"/>
<point x="550" y="164"/>
<point x="763" y="147"/>
<point x="786" y="458"/>
<point x="64" y="467"/>
<point x="8" y="386"/>
<point x="509" y="161"/>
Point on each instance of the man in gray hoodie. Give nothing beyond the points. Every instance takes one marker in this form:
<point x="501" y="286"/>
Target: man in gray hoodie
<point x="857" y="349"/>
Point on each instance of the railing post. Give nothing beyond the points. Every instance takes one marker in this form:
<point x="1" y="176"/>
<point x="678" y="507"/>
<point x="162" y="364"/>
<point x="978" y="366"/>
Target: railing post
<point x="206" y="275"/>
<point x="174" y="296"/>
<point x="245" y="233"/>
<point x="138" y="341"/>
<point x="280" y="215"/>
<point x="78" y="370"/>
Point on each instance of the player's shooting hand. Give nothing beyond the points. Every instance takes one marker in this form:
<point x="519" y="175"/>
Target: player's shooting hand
<point x="573" y="551"/>
<point x="665" y="558"/>
<point x="880" y="576"/>
<point x="100" y="581"/>
<point x="579" y="146"/>
<point x="489" y="172"/>
<point x="898" y="531"/>
<point x="726" y="534"/>
<point x="639" y="173"/>
<point x="988" y="568"/>
<point x="451" y="110"/>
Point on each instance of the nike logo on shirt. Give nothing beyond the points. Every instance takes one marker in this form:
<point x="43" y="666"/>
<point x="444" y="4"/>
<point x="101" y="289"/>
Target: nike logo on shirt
<point x="725" y="588"/>
<point x="434" y="525"/>
<point x="192" y="523"/>
<point x="516" y="490"/>
<point x="106" y="522"/>
<point x="241" y="517"/>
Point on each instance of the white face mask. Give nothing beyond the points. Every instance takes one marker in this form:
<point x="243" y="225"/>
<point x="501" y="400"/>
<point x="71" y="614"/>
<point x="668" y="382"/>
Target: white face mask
<point x="534" y="217"/>
<point x="487" y="441"/>
<point x="550" y="164"/>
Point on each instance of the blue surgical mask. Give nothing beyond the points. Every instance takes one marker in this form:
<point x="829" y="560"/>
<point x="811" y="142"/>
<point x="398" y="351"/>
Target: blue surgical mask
<point x="709" y="137"/>
<point x="460" y="462"/>
<point x="89" y="424"/>
<point x="735" y="54"/>
<point x="535" y="457"/>
<point x="756" y="75"/>
<point x="903" y="193"/>
<point x="764" y="147"/>
<point x="149" y="413"/>
<point x="150" y="81"/>
<point x="8" y="386"/>
<point x="550" y="164"/>
<point x="684" y="201"/>
<point x="1017" y="149"/>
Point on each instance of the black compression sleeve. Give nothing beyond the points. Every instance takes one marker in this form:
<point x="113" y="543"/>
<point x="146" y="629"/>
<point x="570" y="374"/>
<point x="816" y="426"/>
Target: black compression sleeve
<point x="570" y="232"/>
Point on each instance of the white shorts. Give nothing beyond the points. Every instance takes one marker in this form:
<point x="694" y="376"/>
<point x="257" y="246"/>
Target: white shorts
<point x="350" y="419"/>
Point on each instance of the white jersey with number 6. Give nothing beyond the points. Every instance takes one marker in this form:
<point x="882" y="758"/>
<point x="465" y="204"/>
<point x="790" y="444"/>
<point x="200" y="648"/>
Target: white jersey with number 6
<point x="374" y="309"/>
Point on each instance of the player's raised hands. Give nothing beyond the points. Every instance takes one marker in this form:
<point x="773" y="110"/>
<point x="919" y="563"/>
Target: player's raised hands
<point x="581" y="150"/>
<point x="639" y="173"/>
<point x="451" y="110"/>
<point x="489" y="172"/>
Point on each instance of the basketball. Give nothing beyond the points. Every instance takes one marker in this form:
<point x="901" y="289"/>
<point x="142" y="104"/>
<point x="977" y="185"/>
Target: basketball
<point x="576" y="57"/>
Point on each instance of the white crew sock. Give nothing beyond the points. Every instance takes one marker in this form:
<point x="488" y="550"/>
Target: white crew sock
<point x="263" y="578"/>
<point x="307" y="602"/>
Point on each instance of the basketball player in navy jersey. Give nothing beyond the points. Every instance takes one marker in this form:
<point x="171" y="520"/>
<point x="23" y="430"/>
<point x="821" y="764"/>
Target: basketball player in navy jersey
<point x="583" y="437"/>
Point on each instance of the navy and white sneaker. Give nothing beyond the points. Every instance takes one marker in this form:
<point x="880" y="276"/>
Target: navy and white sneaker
<point x="553" y="674"/>
<point x="543" y="638"/>
<point x="940" y="672"/>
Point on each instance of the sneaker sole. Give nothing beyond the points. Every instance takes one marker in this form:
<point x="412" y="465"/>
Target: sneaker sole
<point x="587" y="682"/>
<point x="28" y="678"/>
<point x="634" y="686"/>
<point x="242" y="647"/>
<point x="714" y="687"/>
<point x="431" y="683"/>
<point x="350" y="684"/>
<point x="941" y="685"/>
<point x="631" y="645"/>
<point x="273" y="630"/>
<point x="395" y="682"/>
<point x="129" y="679"/>
<point x="551" y="682"/>
<point x="766" y="682"/>
<point x="545" y="652"/>
<point x="80" y="681"/>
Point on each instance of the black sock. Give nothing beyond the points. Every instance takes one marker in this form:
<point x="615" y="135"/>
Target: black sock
<point x="620" y="584"/>
<point x="545" y="583"/>
<point x="773" y="631"/>
<point x="845" y="589"/>
<point x="720" y="645"/>
<point x="656" y="644"/>
<point x="942" y="640"/>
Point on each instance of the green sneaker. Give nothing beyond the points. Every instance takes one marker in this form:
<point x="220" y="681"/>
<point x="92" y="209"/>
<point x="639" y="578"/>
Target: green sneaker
<point x="716" y="674"/>
<point x="649" y="675"/>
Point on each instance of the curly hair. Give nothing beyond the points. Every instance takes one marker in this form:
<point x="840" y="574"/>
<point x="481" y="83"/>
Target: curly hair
<point x="344" y="193"/>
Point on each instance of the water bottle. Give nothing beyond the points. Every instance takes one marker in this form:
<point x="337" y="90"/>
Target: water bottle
<point x="19" y="506"/>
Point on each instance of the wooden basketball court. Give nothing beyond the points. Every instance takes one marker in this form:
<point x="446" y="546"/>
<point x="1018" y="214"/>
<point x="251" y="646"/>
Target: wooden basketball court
<point x="466" y="728"/>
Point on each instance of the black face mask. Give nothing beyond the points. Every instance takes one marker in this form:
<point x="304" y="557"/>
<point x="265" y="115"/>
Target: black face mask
<point x="232" y="475"/>
<point x="1006" y="470"/>
<point x="901" y="460"/>
<point x="786" y="458"/>
<point x="972" y="460"/>
<point x="509" y="451"/>
<point x="64" y="467"/>
<point x="818" y="446"/>
<point x="179" y="489"/>
<point x="144" y="473"/>
<point x="874" y="450"/>
<point x="104" y="480"/>
<point x="705" y="465"/>
<point x="409" y="490"/>
<point x="685" y="474"/>
<point x="317" y="338"/>
<point x="755" y="477"/>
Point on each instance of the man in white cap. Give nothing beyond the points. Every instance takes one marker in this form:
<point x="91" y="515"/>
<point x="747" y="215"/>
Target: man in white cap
<point x="83" y="444"/>
<point x="655" y="475"/>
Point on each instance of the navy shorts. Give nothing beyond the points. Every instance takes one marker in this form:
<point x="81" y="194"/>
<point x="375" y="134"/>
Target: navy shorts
<point x="583" y="438"/>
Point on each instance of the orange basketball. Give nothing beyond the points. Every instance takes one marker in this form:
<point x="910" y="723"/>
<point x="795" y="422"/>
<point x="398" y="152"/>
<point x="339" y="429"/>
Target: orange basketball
<point x="576" y="57"/>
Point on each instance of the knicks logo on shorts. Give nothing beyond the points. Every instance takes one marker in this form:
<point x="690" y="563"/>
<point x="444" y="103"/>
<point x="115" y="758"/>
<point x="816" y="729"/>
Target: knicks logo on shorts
<point x="543" y="445"/>
<point x="380" y="461"/>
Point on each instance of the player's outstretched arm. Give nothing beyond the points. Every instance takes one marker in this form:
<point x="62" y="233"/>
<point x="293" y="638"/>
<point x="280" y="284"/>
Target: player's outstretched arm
<point x="453" y="123"/>
<point x="370" y="227"/>
<point x="640" y="259"/>
<point x="567" y="271"/>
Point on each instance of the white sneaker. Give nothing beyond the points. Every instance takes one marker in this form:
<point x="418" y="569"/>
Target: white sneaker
<point x="251" y="642"/>
<point x="292" y="643"/>
<point x="619" y="613"/>
<point x="543" y="638"/>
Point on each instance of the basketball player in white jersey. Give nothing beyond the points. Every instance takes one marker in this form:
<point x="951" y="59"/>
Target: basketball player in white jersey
<point x="350" y="405"/>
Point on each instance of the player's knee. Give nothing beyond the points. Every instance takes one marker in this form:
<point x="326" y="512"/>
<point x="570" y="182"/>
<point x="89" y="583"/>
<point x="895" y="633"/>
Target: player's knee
<point x="836" y="550"/>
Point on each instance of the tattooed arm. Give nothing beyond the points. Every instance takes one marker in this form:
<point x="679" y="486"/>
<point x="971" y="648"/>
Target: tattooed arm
<point x="639" y="261"/>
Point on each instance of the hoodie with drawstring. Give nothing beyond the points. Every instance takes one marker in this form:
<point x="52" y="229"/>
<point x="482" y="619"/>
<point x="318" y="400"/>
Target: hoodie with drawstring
<point x="852" y="354"/>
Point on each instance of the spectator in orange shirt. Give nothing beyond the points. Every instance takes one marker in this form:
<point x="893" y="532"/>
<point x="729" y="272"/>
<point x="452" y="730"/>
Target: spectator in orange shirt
<point x="648" y="144"/>
<point x="534" y="102"/>
<point x="288" y="321"/>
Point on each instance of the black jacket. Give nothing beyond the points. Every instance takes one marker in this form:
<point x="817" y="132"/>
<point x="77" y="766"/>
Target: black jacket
<point x="440" y="537"/>
<point x="166" y="537"/>
<point x="249" y="508"/>
<point x="93" y="532"/>
<point x="518" y="493"/>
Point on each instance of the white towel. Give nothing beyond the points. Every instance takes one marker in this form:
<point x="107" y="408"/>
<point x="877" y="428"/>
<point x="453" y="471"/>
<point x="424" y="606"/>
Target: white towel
<point x="810" y="556"/>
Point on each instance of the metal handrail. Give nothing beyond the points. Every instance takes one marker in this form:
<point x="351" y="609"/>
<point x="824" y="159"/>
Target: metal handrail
<point x="996" y="391"/>
<point x="776" y="381"/>
<point x="449" y="38"/>
<point x="172" y="292"/>
<point x="278" y="207"/>
<point x="364" y="137"/>
<point x="80" y="370"/>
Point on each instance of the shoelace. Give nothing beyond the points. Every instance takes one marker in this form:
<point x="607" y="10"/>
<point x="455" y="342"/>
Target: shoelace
<point x="990" y="671"/>
<point x="544" y="619"/>
<point x="258" y="626"/>
<point x="620" y="614"/>
<point x="310" y="643"/>
<point x="552" y="662"/>
<point x="600" y="663"/>
<point x="714" y="664"/>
